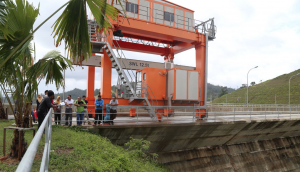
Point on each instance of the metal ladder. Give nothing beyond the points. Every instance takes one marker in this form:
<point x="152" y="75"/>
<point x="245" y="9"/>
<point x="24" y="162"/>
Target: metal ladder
<point x="126" y="81"/>
<point x="144" y="91"/>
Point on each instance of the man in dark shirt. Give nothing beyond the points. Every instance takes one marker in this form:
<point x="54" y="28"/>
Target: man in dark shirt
<point x="44" y="106"/>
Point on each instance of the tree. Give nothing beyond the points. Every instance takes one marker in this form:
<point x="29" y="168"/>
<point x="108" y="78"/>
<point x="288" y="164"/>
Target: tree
<point x="20" y="77"/>
<point x="224" y="91"/>
<point x="18" y="74"/>
<point x="252" y="83"/>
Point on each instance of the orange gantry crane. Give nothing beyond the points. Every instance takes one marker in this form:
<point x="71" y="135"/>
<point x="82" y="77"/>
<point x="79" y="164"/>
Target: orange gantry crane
<point x="157" y="27"/>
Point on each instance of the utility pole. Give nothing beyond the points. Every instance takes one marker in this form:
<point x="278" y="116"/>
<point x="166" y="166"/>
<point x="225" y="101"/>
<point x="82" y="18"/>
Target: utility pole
<point x="290" y="89"/>
<point x="247" y="82"/>
<point x="275" y="99"/>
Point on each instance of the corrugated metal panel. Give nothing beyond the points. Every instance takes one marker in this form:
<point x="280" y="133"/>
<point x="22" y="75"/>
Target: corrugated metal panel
<point x="143" y="10"/>
<point x="170" y="82"/>
<point x="189" y="21"/>
<point x="158" y="13"/>
<point x="179" y="18"/>
<point x="193" y="85"/>
<point x="181" y="84"/>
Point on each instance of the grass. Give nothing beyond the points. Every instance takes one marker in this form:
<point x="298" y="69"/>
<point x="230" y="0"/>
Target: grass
<point x="264" y="93"/>
<point x="75" y="150"/>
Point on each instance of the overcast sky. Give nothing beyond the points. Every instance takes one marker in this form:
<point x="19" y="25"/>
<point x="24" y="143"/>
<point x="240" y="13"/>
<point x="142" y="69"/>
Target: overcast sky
<point x="263" y="33"/>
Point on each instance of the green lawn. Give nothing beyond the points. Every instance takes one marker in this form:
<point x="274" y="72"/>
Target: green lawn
<point x="74" y="150"/>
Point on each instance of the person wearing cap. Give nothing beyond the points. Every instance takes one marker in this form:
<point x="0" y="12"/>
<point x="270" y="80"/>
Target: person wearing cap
<point x="44" y="106"/>
<point x="80" y="110"/>
<point x="113" y="110"/>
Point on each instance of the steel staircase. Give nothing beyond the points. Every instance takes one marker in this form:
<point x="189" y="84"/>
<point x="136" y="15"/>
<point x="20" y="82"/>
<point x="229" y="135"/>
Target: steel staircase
<point x="126" y="81"/>
<point x="119" y="69"/>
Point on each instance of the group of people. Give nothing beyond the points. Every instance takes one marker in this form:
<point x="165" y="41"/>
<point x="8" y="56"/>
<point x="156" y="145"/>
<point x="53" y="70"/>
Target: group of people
<point x="46" y="102"/>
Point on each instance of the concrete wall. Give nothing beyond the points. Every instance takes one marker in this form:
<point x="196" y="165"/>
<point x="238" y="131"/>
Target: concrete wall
<point x="280" y="154"/>
<point x="238" y="146"/>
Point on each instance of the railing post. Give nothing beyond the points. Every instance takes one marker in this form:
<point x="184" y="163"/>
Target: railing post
<point x="193" y="110"/>
<point x="147" y="14"/>
<point x="233" y="113"/>
<point x="215" y="115"/>
<point x="265" y="114"/>
<point x="4" y="140"/>
<point x="290" y="114"/>
<point x="20" y="145"/>
<point x="250" y="116"/>
<point x="167" y="114"/>
<point x="102" y="116"/>
<point x="170" y="19"/>
<point x="176" y="21"/>
<point x="137" y="114"/>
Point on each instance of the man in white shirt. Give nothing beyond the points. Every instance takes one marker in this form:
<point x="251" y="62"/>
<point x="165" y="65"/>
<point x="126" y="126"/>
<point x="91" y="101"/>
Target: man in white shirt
<point x="113" y="110"/>
<point x="69" y="105"/>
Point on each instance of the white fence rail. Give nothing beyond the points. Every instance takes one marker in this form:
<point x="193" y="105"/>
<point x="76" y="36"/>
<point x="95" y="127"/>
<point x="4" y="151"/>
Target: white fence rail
<point x="27" y="160"/>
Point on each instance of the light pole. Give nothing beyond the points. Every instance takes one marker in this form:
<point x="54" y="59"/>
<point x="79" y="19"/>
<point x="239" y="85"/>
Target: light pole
<point x="290" y="89"/>
<point x="247" y="82"/>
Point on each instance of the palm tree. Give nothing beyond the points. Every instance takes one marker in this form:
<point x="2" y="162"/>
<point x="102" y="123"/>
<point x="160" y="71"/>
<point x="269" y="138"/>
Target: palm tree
<point x="72" y="28"/>
<point x="20" y="77"/>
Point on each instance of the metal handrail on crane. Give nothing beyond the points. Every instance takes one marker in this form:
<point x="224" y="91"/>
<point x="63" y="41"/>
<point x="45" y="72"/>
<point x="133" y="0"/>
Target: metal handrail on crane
<point x="189" y="23"/>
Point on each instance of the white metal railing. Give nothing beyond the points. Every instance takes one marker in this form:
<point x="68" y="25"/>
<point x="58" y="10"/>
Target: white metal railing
<point x="191" y="114"/>
<point x="156" y="15"/>
<point x="27" y="160"/>
<point x="251" y="105"/>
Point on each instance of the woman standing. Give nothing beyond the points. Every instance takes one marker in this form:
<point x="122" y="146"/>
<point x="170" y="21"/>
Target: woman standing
<point x="57" y="111"/>
<point x="38" y="101"/>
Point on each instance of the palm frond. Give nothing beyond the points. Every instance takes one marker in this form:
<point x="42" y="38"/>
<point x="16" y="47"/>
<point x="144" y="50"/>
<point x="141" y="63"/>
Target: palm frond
<point x="72" y="28"/>
<point x="50" y="67"/>
<point x="19" y="20"/>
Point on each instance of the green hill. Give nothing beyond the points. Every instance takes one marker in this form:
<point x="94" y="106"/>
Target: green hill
<point x="267" y="92"/>
<point x="213" y="91"/>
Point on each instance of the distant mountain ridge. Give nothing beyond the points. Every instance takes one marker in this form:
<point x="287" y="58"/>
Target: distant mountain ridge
<point x="213" y="91"/>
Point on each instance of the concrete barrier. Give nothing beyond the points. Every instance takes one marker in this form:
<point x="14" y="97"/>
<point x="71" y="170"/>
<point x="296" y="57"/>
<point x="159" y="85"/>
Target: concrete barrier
<point x="236" y="146"/>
